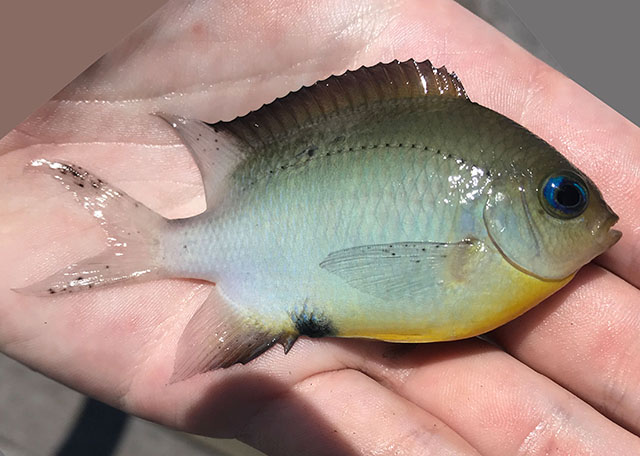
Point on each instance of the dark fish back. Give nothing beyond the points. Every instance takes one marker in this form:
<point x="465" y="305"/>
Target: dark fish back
<point x="354" y="91"/>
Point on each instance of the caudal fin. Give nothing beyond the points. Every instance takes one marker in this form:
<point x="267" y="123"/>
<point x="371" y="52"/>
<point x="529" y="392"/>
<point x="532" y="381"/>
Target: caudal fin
<point x="133" y="249"/>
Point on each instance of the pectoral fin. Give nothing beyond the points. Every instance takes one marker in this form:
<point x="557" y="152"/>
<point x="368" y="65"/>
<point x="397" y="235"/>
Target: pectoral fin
<point x="405" y="269"/>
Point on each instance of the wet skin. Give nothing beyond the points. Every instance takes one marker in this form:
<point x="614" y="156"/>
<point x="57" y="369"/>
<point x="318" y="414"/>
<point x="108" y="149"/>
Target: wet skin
<point x="567" y="376"/>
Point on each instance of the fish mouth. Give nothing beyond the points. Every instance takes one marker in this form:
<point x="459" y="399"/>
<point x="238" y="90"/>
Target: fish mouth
<point x="614" y="236"/>
<point x="609" y="236"/>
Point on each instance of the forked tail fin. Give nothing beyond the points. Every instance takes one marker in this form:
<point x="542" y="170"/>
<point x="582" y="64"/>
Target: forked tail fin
<point x="133" y="251"/>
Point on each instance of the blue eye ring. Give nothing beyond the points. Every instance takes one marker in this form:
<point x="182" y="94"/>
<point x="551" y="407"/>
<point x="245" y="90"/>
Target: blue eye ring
<point x="564" y="195"/>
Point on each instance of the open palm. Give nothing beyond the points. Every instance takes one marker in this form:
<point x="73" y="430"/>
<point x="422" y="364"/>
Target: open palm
<point x="562" y="379"/>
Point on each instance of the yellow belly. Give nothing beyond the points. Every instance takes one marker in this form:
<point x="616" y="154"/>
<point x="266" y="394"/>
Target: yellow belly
<point x="490" y="293"/>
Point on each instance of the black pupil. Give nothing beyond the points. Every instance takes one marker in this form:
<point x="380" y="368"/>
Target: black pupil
<point x="568" y="196"/>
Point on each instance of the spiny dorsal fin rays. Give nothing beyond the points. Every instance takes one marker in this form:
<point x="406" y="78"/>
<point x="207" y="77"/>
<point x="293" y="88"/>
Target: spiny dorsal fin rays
<point x="438" y="81"/>
<point x="218" y="148"/>
<point x="216" y="153"/>
<point x="349" y="91"/>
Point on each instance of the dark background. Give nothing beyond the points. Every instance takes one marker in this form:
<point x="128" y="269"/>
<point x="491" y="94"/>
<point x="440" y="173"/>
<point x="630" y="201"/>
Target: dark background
<point x="595" y="43"/>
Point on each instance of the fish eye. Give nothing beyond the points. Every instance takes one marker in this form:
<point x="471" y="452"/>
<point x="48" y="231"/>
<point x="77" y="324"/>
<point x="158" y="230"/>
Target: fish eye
<point x="564" y="195"/>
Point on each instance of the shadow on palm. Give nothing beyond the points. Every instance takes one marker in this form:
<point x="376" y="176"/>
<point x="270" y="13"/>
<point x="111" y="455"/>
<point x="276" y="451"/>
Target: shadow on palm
<point x="209" y="61"/>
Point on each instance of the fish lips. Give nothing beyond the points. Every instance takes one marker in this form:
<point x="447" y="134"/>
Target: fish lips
<point x="603" y="232"/>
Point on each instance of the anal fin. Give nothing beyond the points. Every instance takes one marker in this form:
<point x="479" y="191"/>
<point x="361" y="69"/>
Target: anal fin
<point x="218" y="336"/>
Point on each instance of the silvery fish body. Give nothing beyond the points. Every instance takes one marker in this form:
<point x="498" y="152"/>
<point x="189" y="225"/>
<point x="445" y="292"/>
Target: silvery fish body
<point x="381" y="203"/>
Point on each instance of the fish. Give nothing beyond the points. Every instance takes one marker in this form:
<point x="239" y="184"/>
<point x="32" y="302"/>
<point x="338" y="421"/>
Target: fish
<point x="381" y="203"/>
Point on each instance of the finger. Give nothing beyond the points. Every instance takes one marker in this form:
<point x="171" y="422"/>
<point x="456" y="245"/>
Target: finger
<point x="500" y="75"/>
<point x="497" y="404"/>
<point x="495" y="71"/>
<point x="507" y="79"/>
<point x="331" y="413"/>
<point x="586" y="339"/>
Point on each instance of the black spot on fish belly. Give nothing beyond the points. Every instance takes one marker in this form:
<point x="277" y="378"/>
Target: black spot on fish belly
<point x="311" y="324"/>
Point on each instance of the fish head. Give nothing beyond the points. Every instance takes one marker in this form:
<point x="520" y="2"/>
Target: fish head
<point x="548" y="219"/>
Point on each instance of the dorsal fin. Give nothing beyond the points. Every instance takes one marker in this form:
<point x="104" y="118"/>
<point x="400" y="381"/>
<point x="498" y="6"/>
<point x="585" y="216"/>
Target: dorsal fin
<point x="215" y="152"/>
<point x="349" y="91"/>
<point x="218" y="148"/>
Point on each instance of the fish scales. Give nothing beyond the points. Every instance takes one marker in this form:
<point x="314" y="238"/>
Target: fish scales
<point x="347" y="192"/>
<point x="381" y="203"/>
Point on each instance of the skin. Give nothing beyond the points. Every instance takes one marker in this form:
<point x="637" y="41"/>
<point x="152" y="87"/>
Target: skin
<point x="564" y="378"/>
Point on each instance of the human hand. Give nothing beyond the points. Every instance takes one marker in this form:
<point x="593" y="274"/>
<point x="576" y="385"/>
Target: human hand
<point x="209" y="60"/>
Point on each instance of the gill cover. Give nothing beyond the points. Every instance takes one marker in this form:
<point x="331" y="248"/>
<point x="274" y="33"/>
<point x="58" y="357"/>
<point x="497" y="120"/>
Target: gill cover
<point x="512" y="218"/>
